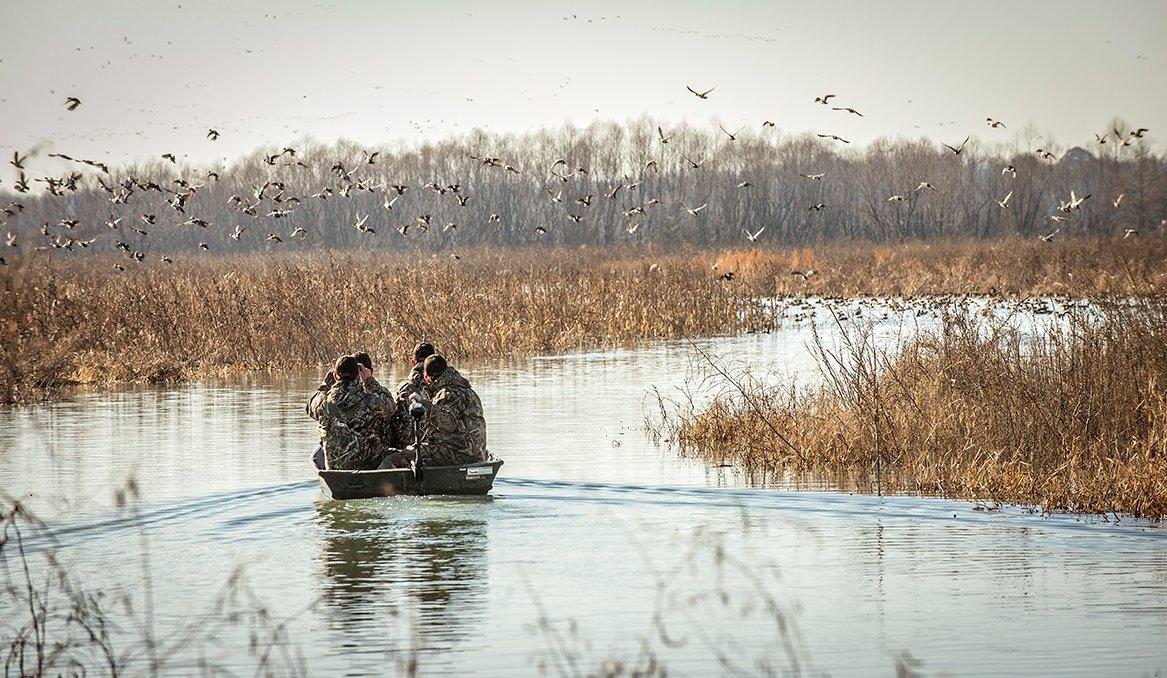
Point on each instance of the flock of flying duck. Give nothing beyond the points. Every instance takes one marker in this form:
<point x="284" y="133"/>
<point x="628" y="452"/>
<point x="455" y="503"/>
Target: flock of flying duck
<point x="281" y="206"/>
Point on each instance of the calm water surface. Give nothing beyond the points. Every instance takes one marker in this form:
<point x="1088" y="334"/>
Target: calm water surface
<point x="594" y="544"/>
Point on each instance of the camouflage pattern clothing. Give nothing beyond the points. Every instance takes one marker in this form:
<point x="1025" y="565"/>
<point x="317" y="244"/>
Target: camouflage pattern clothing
<point x="350" y="416"/>
<point x="416" y="379"/>
<point x="384" y="425"/>
<point x="402" y="424"/>
<point x="455" y="428"/>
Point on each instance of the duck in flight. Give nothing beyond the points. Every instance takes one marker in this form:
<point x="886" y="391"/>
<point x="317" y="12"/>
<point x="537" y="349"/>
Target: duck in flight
<point x="700" y="95"/>
<point x="753" y="237"/>
<point x="959" y="149"/>
<point x="732" y="137"/>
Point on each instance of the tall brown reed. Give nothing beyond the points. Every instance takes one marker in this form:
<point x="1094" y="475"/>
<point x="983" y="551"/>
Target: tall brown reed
<point x="1078" y="267"/>
<point x="1073" y="418"/>
<point x="70" y="320"/>
<point x="92" y="324"/>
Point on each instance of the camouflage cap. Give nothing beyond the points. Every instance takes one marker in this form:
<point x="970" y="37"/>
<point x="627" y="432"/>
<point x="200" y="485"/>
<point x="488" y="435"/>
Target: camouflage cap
<point x="346" y="367"/>
<point x="435" y="365"/>
<point x="423" y="351"/>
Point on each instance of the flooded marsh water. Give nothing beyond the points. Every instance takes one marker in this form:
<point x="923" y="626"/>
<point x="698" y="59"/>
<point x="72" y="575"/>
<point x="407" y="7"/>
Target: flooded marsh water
<point x="594" y="544"/>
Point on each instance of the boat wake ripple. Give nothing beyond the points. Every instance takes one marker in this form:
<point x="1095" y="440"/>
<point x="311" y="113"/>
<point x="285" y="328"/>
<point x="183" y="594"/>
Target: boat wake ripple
<point x="243" y="513"/>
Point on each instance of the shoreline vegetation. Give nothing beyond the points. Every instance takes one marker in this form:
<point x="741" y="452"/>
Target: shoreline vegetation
<point x="68" y="321"/>
<point x="71" y="320"/>
<point x="1072" y="418"/>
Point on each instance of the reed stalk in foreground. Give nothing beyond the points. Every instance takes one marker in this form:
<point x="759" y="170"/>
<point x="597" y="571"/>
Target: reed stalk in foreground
<point x="68" y="319"/>
<point x="53" y="625"/>
<point x="1073" y="418"/>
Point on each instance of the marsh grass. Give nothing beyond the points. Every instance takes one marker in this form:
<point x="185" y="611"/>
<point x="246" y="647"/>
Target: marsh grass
<point x="91" y="324"/>
<point x="1010" y="266"/>
<point x="706" y="593"/>
<point x="68" y="320"/>
<point x="55" y="625"/>
<point x="1070" y="418"/>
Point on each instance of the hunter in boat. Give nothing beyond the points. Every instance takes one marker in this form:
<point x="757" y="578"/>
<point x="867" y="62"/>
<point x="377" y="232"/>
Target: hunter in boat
<point x="434" y="421"/>
<point x="352" y="412"/>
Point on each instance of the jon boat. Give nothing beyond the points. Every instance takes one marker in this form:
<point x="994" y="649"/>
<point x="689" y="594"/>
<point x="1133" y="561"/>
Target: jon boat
<point x="467" y="479"/>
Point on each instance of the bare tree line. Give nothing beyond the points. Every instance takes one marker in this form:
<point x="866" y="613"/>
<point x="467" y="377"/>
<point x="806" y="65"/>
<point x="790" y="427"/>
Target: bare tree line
<point x="606" y="184"/>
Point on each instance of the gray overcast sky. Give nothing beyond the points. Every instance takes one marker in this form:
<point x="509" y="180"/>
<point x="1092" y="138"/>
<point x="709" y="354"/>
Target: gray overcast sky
<point x="154" y="76"/>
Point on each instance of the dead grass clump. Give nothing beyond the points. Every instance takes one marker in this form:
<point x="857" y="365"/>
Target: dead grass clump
<point x="1073" y="418"/>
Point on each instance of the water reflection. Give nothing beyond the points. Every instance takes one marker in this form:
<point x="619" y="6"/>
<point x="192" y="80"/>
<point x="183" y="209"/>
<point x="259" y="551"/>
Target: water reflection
<point x="383" y="563"/>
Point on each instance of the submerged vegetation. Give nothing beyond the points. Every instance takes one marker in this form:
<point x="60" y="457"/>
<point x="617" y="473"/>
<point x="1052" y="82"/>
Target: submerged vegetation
<point x="1071" y="417"/>
<point x="67" y="320"/>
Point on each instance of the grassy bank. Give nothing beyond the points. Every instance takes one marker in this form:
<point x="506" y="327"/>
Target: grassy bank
<point x="82" y="321"/>
<point x="71" y="319"/>
<point x="1081" y="267"/>
<point x="1074" y="419"/>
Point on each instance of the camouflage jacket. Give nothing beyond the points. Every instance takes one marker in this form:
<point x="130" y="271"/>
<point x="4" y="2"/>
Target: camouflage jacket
<point x="415" y="382"/>
<point x="455" y="427"/>
<point x="402" y="424"/>
<point x="351" y="417"/>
